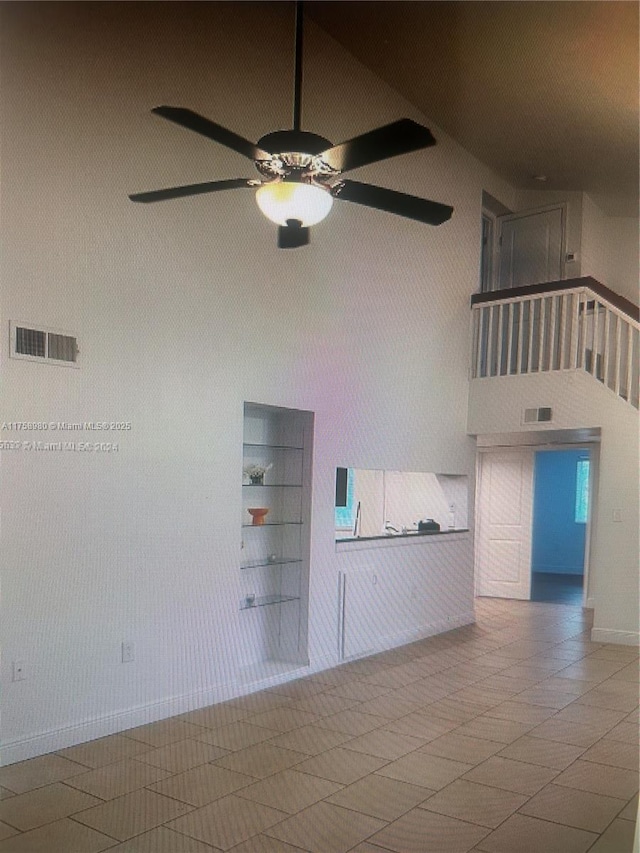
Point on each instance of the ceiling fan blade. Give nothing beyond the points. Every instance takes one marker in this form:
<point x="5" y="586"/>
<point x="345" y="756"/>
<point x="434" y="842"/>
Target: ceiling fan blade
<point x="410" y="206"/>
<point x="292" y="235"/>
<point x="399" y="137"/>
<point x="206" y="127"/>
<point x="193" y="189"/>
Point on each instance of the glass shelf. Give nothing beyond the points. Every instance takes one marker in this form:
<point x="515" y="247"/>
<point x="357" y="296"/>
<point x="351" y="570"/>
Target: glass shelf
<point x="269" y="524"/>
<point x="264" y="562"/>
<point x="272" y="446"/>
<point x="266" y="600"/>
<point x="272" y="485"/>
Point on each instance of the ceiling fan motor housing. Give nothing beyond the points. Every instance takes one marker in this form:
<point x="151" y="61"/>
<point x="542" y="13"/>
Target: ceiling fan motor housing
<point x="297" y="158"/>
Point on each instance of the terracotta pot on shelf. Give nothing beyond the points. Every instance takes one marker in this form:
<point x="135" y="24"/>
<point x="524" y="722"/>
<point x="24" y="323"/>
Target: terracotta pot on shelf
<point x="258" y="514"/>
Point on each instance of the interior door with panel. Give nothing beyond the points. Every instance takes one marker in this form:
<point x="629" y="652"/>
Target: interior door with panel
<point x="505" y="515"/>
<point x="530" y="247"/>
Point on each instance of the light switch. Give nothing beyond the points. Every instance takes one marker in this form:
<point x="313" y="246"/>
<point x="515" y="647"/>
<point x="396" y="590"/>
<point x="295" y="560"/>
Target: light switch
<point x="617" y="515"/>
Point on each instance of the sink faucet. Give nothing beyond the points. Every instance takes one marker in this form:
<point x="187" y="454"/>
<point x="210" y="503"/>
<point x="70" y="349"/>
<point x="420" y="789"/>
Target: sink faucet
<point x="389" y="529"/>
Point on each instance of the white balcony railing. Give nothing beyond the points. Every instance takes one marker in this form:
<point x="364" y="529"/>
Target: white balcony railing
<point x="572" y="328"/>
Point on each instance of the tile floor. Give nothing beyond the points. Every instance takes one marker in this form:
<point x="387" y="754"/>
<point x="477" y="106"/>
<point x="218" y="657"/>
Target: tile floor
<point x="514" y="734"/>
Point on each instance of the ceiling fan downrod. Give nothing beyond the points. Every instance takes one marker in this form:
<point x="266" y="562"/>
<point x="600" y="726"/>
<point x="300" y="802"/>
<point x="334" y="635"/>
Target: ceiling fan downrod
<point x="297" y="79"/>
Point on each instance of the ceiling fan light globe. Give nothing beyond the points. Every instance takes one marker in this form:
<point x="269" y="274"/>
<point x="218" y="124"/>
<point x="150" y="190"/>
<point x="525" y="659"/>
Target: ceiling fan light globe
<point x="288" y="200"/>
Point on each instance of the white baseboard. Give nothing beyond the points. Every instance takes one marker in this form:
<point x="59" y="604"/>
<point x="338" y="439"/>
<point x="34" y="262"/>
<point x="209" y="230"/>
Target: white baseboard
<point x="86" y="730"/>
<point x="392" y="641"/>
<point x="622" y="638"/>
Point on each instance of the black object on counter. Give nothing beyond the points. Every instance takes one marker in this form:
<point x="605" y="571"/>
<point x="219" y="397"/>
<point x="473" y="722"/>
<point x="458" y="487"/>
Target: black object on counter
<point x="428" y="524"/>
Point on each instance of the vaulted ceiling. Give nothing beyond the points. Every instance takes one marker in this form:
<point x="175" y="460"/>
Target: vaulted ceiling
<point x="530" y="88"/>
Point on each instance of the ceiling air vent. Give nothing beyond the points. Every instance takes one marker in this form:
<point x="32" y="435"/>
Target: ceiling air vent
<point x="537" y="416"/>
<point x="45" y="345"/>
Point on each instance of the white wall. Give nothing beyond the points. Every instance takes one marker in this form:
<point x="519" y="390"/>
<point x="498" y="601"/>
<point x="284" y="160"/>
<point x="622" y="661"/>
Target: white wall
<point x="610" y="249"/>
<point x="183" y="310"/>
<point x="577" y="400"/>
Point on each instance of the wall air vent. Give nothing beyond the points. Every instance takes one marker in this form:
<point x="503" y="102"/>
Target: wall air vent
<point x="537" y="416"/>
<point x="45" y="345"/>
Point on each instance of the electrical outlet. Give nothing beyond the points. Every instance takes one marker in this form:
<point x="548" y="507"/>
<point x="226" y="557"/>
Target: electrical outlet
<point x="18" y="672"/>
<point x="128" y="652"/>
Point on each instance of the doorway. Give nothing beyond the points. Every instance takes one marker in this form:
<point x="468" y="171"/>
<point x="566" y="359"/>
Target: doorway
<point x="560" y="515"/>
<point x="533" y="522"/>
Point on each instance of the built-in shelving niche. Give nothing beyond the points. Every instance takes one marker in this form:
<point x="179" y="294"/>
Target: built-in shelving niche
<point x="274" y="562"/>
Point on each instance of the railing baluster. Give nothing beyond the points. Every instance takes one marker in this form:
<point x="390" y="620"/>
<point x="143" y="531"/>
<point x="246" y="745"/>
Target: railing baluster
<point x="595" y="338"/>
<point x="551" y="326"/>
<point x="575" y="331"/>
<point x="520" y="337"/>
<point x="490" y="341"/>
<point x="499" y="340"/>
<point x="618" y="363"/>
<point x="511" y="309"/>
<point x="629" y="360"/>
<point x="542" y="313"/>
<point x="555" y="359"/>
<point x="605" y="348"/>
<point x="530" y="342"/>
<point x="564" y="303"/>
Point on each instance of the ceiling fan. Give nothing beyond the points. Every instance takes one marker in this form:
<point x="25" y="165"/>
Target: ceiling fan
<point x="302" y="172"/>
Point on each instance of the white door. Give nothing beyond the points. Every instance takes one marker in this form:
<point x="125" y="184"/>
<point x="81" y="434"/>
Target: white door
<point x="505" y="512"/>
<point x="530" y="247"/>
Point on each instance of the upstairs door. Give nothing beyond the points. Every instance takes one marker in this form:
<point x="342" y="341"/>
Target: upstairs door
<point x="530" y="247"/>
<point x="505" y="512"/>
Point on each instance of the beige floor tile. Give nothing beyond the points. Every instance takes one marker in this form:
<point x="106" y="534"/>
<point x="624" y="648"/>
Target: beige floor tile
<point x="391" y="677"/>
<point x="61" y="836"/>
<point x="478" y="694"/>
<point x="616" y="652"/>
<point x="390" y="706"/>
<point x="183" y="755"/>
<point x="202" y="785"/>
<point x="38" y="772"/>
<point x="521" y="712"/>
<point x="630" y="811"/>
<point x="591" y="670"/>
<point x="572" y="807"/>
<point x="458" y="747"/>
<point x="419" y="831"/>
<point x="385" y="744"/>
<point x="264" y="844"/>
<point x="131" y="814"/>
<point x="548" y="753"/>
<point x="625" y="733"/>
<point x="455" y="710"/>
<point x="530" y="835"/>
<point x="104" y="750"/>
<point x="164" y="732"/>
<point x="351" y="722"/>
<point x="567" y="685"/>
<point x="615" y="700"/>
<point x="380" y="797"/>
<point x="289" y="791"/>
<point x="510" y="775"/>
<point x="627" y="673"/>
<point x="5" y="793"/>
<point x="324" y="827"/>
<point x="429" y="771"/>
<point x="214" y="716"/>
<point x="478" y="804"/>
<point x="44" y="805"/>
<point x="162" y="840"/>
<point x="113" y="780"/>
<point x="310" y="740"/>
<point x="421" y="726"/>
<point x="257" y="703"/>
<point x="341" y="765"/>
<point x="235" y="736"/>
<point x="283" y="719"/>
<point x="615" y="753"/>
<point x="617" y="838"/>
<point x="494" y="729"/>
<point x="599" y="779"/>
<point x="548" y="698"/>
<point x="358" y="691"/>
<point x="322" y="704"/>
<point x="227" y="822"/>
<point x="568" y="731"/>
<point x="261" y="760"/>
<point x="604" y="719"/>
<point x="6" y="831"/>
<point x="301" y="688"/>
